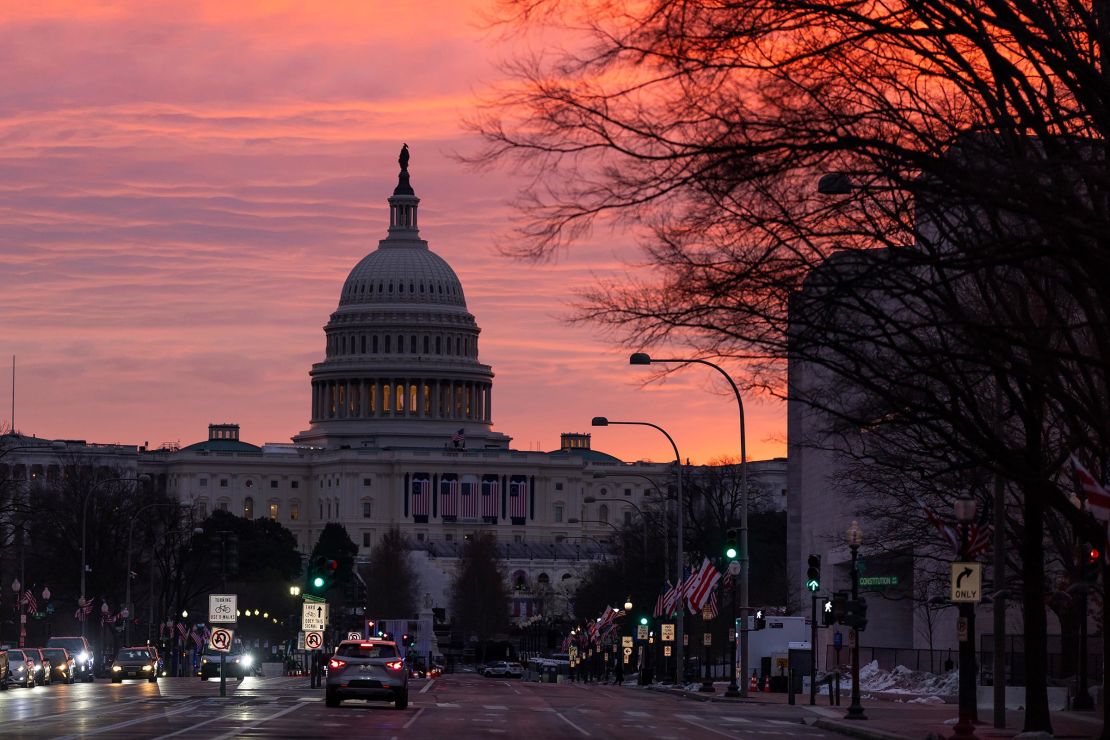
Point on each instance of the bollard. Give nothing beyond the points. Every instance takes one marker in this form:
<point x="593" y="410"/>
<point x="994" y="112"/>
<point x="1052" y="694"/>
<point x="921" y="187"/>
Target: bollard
<point x="790" y="687"/>
<point x="830" y="681"/>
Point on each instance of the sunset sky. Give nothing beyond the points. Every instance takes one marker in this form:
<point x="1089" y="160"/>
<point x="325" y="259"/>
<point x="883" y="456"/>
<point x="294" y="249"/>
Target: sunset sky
<point x="185" y="186"/>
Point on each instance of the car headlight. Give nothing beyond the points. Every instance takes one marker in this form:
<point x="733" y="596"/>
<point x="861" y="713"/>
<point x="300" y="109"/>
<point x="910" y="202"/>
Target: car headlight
<point x="116" y="668"/>
<point x="146" y="668"/>
<point x="247" y="660"/>
<point x="204" y="660"/>
<point x="82" y="657"/>
<point x="20" y="669"/>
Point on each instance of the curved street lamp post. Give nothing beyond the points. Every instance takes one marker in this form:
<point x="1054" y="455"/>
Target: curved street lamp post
<point x="642" y="358"/>
<point x="601" y="421"/>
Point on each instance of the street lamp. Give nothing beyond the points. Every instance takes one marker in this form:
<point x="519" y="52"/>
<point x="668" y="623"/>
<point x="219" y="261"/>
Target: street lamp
<point x="294" y="590"/>
<point x="628" y="604"/>
<point x="127" y="586"/>
<point x="84" y="518"/>
<point x="855" y="539"/>
<point x="642" y="358"/>
<point x="601" y="421"/>
<point x="965" y="728"/>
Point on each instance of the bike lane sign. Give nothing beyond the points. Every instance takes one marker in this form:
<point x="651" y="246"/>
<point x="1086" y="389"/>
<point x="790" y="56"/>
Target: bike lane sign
<point x="222" y="608"/>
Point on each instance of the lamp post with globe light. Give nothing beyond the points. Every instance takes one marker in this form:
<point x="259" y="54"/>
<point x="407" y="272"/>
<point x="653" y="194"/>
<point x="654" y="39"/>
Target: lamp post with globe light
<point x="855" y="539"/>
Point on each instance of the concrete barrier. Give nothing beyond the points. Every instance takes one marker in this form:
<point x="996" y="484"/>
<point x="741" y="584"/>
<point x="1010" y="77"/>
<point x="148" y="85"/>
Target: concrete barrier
<point x="1015" y="697"/>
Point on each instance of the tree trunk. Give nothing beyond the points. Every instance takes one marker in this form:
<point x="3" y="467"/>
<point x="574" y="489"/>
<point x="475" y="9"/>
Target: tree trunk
<point x="1069" y="637"/>
<point x="1036" y="624"/>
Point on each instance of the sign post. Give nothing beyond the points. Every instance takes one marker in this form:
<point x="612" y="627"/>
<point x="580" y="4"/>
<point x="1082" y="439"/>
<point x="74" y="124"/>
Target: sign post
<point x="314" y="620"/>
<point x="221" y="610"/>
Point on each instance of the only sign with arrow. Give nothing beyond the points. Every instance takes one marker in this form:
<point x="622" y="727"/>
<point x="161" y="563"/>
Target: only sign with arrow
<point x="967" y="582"/>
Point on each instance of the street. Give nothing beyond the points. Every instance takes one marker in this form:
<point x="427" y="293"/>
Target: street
<point x="460" y="705"/>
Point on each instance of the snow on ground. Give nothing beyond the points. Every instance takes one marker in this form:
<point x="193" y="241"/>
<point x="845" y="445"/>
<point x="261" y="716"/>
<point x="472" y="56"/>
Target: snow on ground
<point x="902" y="680"/>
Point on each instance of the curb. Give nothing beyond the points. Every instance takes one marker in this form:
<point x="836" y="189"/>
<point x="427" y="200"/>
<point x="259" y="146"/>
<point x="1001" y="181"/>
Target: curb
<point x="698" y="696"/>
<point x="856" y="729"/>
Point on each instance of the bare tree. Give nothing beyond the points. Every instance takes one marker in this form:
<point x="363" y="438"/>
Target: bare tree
<point x="394" y="583"/>
<point x="479" y="595"/>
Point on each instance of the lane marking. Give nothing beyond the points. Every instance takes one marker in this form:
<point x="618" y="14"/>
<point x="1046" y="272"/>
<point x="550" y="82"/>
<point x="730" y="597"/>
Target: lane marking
<point x="61" y="716"/>
<point x="414" y="718"/>
<point x="239" y="731"/>
<point x="446" y="705"/>
<point x="633" y="713"/>
<point x="562" y="717"/>
<point x="732" y="719"/>
<point x="181" y="709"/>
<point x="426" y="686"/>
<point x="708" y="728"/>
<point x="495" y="707"/>
<point x="217" y="718"/>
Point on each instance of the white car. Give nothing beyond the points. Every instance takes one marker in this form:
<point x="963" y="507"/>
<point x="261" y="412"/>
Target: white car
<point x="504" y="669"/>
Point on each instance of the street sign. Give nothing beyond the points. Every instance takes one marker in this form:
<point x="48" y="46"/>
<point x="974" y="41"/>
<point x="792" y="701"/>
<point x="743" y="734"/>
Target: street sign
<point x="313" y="640"/>
<point x="314" y="617"/>
<point x="666" y="651"/>
<point x="878" y="581"/>
<point x="707" y="639"/>
<point x="354" y="635"/>
<point x="734" y="568"/>
<point x="221" y="608"/>
<point x="967" y="582"/>
<point x="300" y="640"/>
<point x="628" y="651"/>
<point x="221" y="639"/>
<point x="626" y="641"/>
<point x="642" y="632"/>
<point x="668" y="632"/>
<point x="851" y="638"/>
<point x="961" y="629"/>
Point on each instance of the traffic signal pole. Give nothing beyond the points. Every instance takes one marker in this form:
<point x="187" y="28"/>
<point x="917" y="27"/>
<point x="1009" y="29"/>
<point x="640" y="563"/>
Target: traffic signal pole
<point x="813" y="654"/>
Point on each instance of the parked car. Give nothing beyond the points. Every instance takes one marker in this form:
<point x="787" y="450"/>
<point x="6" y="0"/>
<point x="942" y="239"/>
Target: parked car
<point x="84" y="665"/>
<point x="135" y="662"/>
<point x="5" y="671"/>
<point x="61" y="664"/>
<point x="22" y="667"/>
<point x="367" y="669"/>
<point x="503" y="669"/>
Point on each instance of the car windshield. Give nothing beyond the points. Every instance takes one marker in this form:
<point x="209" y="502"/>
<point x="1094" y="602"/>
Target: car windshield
<point x="55" y="653"/>
<point x="16" y="655"/>
<point x="72" y="644"/>
<point x="133" y="655"/>
<point x="366" y="650"/>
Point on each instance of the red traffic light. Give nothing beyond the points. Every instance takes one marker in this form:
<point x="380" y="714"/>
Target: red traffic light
<point x="1092" y="556"/>
<point x="331" y="565"/>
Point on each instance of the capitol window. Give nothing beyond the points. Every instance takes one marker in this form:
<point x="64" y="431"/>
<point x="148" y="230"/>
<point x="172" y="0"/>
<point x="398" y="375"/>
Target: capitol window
<point x="273" y="510"/>
<point x="248" y="508"/>
<point x="558" y="513"/>
<point x="374" y="344"/>
<point x="294" y="511"/>
<point x="426" y="338"/>
<point x="204" y="482"/>
<point x="223" y="482"/>
<point x="367" y="509"/>
<point x="273" y="484"/>
<point x="295" y="484"/>
<point x="603" y="513"/>
<point x="366" y="539"/>
<point x="388" y="338"/>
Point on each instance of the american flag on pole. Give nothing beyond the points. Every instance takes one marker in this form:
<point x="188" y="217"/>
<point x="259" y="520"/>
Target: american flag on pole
<point x="704" y="581"/>
<point x="660" y="609"/>
<point x="458" y="438"/>
<point x="198" y="638"/>
<point x="491" y="495"/>
<point x="1096" y="495"/>
<point x="468" y="500"/>
<point x="421" y="497"/>
<point x="84" y="609"/>
<point x="181" y="630"/>
<point x="979" y="534"/>
<point x="518" y="497"/>
<point x="29" y="599"/>
<point x="449" y="496"/>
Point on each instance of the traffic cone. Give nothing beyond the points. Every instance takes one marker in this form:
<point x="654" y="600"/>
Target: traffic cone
<point x="766" y="684"/>
<point x="755" y="683"/>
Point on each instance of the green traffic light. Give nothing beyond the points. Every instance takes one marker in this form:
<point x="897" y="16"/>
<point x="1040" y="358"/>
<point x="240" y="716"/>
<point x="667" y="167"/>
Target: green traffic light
<point x="813" y="585"/>
<point x="318" y="582"/>
<point x="643" y="620"/>
<point x="730" y="553"/>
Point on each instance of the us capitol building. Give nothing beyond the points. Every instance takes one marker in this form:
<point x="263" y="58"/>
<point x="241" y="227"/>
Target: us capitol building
<point x="401" y="434"/>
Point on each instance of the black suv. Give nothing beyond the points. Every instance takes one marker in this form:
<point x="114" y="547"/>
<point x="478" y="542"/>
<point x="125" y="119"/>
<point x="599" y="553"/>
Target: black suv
<point x="78" y="649"/>
<point x="135" y="662"/>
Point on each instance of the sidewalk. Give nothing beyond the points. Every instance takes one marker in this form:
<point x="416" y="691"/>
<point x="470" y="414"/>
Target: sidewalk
<point x="901" y="718"/>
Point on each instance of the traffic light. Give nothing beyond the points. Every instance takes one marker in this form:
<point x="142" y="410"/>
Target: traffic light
<point x="839" y="606"/>
<point x="1091" y="564"/>
<point x="813" y="575"/>
<point x="321" y="575"/>
<point x="730" y="545"/>
<point x="371" y="628"/>
<point x="760" y="621"/>
<point x="644" y="621"/>
<point x="855" y="614"/>
<point x="827" y="616"/>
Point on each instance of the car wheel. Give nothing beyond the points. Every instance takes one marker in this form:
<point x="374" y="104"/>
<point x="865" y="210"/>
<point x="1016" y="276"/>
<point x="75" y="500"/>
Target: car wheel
<point x="331" y="698"/>
<point x="153" y="679"/>
<point x="402" y="701"/>
<point x="117" y="680"/>
<point x="72" y="680"/>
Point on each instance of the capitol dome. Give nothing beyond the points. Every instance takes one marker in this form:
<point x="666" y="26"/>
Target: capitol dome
<point x="401" y="364"/>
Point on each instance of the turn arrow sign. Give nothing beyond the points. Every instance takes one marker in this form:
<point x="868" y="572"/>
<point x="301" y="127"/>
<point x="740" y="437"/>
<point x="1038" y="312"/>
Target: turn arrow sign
<point x="963" y="574"/>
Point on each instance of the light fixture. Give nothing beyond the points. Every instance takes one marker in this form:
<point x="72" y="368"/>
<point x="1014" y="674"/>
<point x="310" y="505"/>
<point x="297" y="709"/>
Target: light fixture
<point x="965" y="509"/>
<point x="599" y="421"/>
<point x="628" y="604"/>
<point x="184" y="613"/>
<point x="639" y="358"/>
<point x="855" y="534"/>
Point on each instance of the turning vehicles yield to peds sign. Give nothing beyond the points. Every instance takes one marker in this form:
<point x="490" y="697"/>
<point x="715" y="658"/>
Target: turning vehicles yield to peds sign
<point x="221" y="608"/>
<point x="221" y="639"/>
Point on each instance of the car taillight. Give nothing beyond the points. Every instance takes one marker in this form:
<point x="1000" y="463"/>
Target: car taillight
<point x="335" y="664"/>
<point x="395" y="665"/>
